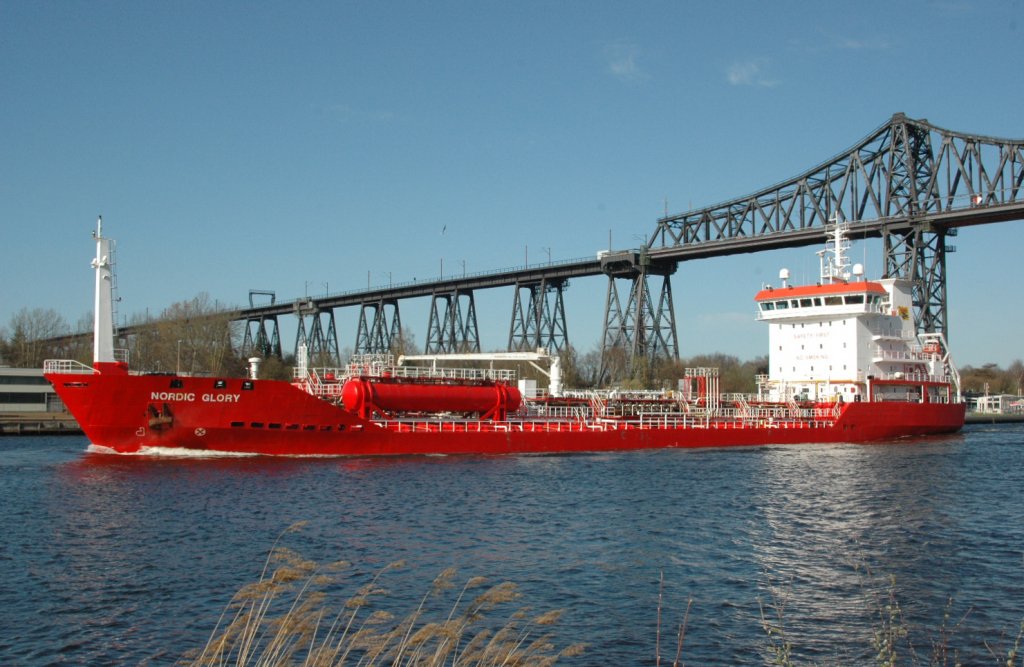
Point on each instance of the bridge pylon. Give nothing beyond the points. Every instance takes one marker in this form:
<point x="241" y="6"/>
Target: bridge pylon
<point x="262" y="333"/>
<point x="321" y="347"/>
<point x="918" y="253"/>
<point x="644" y="332"/>
<point x="539" y="321"/>
<point x="449" y="330"/>
<point x="380" y="327"/>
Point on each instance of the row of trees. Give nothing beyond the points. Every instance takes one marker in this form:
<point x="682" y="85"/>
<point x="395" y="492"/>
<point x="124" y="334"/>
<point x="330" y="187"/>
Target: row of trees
<point x="38" y="334"/>
<point x="992" y="379"/>
<point x="193" y="336"/>
<point x="197" y="337"/>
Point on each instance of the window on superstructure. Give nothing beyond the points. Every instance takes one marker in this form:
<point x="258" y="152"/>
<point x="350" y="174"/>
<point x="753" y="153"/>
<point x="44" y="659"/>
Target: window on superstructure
<point x="817" y="301"/>
<point x="806" y="303"/>
<point x="854" y="298"/>
<point x="781" y="305"/>
<point x="767" y="305"/>
<point x="833" y="301"/>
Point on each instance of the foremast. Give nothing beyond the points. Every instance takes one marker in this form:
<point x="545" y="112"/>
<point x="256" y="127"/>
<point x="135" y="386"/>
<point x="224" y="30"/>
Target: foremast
<point x="103" y="355"/>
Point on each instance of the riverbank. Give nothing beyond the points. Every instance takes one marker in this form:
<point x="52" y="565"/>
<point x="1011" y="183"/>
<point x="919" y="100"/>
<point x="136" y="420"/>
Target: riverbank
<point x="38" y="423"/>
<point x="990" y="418"/>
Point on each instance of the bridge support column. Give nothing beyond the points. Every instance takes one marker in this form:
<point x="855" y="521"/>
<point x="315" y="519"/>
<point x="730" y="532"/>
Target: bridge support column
<point x="919" y="255"/>
<point x="449" y="330"/>
<point x="258" y="340"/>
<point x="321" y="348"/>
<point x="262" y="337"/>
<point x="644" y="332"/>
<point x="379" y="330"/>
<point x="541" y="323"/>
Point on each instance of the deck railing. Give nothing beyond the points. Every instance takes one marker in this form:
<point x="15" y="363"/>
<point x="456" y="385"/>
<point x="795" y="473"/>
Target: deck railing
<point x="66" y="366"/>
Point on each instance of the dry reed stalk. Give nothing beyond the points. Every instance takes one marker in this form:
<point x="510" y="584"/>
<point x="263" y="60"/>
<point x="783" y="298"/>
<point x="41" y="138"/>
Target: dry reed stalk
<point x="251" y="630"/>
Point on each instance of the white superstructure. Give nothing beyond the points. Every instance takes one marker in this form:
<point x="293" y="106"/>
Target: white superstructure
<point x="848" y="338"/>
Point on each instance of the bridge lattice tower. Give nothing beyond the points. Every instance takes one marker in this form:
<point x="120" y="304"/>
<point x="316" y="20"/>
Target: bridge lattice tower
<point x="452" y="329"/>
<point x="262" y="333"/>
<point x="644" y="331"/>
<point x="321" y="346"/>
<point x="539" y="320"/>
<point x="380" y="327"/>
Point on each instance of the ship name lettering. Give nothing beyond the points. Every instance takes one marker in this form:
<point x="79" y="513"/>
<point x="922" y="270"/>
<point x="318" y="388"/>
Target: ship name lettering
<point x="221" y="398"/>
<point x="172" y="396"/>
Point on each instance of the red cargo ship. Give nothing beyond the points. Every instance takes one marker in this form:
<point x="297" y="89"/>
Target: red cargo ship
<point x="845" y="366"/>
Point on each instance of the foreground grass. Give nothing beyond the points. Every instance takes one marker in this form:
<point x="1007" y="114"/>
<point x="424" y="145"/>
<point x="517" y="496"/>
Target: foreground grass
<point x="285" y="618"/>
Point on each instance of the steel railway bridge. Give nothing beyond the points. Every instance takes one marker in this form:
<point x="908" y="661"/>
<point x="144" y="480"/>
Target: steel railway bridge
<point x="909" y="182"/>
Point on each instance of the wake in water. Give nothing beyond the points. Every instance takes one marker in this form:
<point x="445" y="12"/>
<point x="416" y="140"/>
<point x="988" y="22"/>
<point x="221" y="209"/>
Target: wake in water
<point x="170" y="452"/>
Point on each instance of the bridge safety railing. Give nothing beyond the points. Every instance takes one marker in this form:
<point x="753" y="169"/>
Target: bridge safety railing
<point x="456" y="276"/>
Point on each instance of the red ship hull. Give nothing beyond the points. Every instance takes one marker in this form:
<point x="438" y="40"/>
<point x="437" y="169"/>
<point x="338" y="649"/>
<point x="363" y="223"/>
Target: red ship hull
<point x="140" y="413"/>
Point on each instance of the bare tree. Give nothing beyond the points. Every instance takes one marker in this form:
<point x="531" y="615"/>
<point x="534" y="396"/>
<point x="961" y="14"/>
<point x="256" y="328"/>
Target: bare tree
<point x="194" y="337"/>
<point x="31" y="336"/>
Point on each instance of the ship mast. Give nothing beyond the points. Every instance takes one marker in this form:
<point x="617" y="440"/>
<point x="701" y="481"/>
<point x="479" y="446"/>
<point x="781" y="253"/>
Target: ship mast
<point x="835" y="265"/>
<point x="103" y="311"/>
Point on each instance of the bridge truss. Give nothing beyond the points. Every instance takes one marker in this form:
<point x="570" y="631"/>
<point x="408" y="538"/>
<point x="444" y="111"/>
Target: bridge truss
<point x="910" y="182"/>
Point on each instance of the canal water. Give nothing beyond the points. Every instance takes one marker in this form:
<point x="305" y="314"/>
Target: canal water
<point x="107" y="559"/>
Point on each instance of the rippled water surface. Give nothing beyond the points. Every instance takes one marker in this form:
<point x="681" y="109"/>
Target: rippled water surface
<point x="107" y="559"/>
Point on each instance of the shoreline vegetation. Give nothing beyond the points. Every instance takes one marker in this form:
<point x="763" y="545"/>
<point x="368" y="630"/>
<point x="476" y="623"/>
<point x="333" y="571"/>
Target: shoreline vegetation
<point x="286" y="617"/>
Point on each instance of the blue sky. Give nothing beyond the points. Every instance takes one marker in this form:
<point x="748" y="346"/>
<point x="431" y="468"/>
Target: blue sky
<point x="297" y="146"/>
